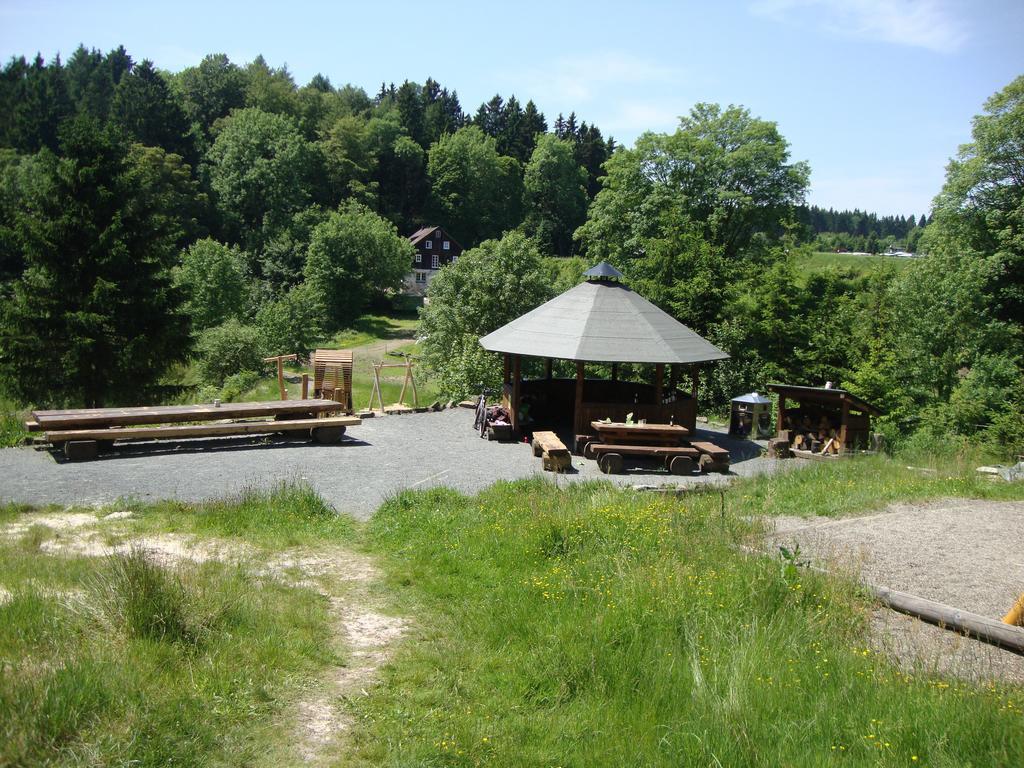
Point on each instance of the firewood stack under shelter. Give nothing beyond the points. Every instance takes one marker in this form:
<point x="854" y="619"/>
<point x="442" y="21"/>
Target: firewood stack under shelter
<point x="822" y="421"/>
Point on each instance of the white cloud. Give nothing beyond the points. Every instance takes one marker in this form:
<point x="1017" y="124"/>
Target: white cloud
<point x="928" y="24"/>
<point x="579" y="79"/>
<point x="630" y="118"/>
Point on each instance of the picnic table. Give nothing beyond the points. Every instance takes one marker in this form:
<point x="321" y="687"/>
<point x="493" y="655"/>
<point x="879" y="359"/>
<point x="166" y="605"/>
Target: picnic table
<point x="80" y="432"/>
<point x="667" y="442"/>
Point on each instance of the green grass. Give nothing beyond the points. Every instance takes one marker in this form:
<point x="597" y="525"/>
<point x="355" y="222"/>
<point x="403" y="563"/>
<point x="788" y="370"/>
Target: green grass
<point x="118" y="661"/>
<point x="839" y="488"/>
<point x="371" y="338"/>
<point x="553" y="626"/>
<point x="586" y="626"/>
<point x="12" y="426"/>
<point x="820" y="261"/>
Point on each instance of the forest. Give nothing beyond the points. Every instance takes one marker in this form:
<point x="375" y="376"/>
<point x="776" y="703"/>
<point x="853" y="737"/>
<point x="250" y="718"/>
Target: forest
<point x="222" y="213"/>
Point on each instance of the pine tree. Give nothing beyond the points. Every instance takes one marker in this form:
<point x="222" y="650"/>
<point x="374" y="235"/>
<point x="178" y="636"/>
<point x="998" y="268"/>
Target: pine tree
<point x="96" y="294"/>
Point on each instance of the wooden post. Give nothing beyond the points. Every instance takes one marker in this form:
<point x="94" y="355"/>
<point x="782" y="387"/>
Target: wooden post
<point x="615" y="371"/>
<point x="516" y="360"/>
<point x="547" y="368"/>
<point x="659" y="381"/>
<point x="695" y="372"/>
<point x="508" y="369"/>
<point x="305" y="386"/>
<point x="780" y="424"/>
<point x="673" y="377"/>
<point x="578" y="411"/>
<point x="843" y="421"/>
<point x="280" y="371"/>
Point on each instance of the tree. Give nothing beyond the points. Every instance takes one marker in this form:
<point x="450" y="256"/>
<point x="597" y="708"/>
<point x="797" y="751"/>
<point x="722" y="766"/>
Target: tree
<point x="95" y="318"/>
<point x="554" y="195"/>
<point x="260" y="169"/>
<point x="229" y="349"/>
<point x="292" y="323"/>
<point x="144" y="107"/>
<point x="474" y="191"/>
<point x="208" y="92"/>
<point x="272" y="90"/>
<point x="212" y="277"/>
<point x="488" y="286"/>
<point x="980" y="210"/>
<point x="354" y="255"/>
<point x="726" y="172"/>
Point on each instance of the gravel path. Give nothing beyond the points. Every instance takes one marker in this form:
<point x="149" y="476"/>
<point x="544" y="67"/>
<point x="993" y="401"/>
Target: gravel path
<point x="965" y="553"/>
<point x="377" y="459"/>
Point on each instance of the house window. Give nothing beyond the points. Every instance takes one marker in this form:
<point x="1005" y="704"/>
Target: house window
<point x="428" y="244"/>
<point x="419" y="257"/>
<point x="434" y="261"/>
<point x="421" y="277"/>
<point x="446" y="245"/>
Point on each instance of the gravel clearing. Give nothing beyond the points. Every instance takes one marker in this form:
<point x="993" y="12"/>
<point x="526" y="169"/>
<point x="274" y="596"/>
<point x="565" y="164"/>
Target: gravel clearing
<point x="965" y="553"/>
<point x="377" y="459"/>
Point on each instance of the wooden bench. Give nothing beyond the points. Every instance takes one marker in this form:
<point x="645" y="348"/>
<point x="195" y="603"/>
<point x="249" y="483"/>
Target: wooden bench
<point x="85" y="443"/>
<point x="552" y="452"/>
<point x="712" y="457"/>
<point x="81" y="433"/>
<point x="679" y="460"/>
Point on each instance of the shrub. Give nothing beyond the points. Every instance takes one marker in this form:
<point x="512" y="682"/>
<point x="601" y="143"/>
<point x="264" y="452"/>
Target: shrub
<point x="142" y="600"/>
<point x="293" y="323"/>
<point x="229" y="349"/>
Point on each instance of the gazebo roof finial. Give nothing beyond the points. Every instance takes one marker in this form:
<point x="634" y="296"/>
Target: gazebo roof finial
<point x="603" y="271"/>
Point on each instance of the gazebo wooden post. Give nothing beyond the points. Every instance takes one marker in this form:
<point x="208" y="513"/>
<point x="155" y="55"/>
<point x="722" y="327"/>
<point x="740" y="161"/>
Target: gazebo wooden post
<point x="615" y="371"/>
<point x="516" y="368"/>
<point x="780" y="423"/>
<point x="508" y="369"/>
<point x="695" y="372"/>
<point x="843" y="421"/>
<point x="673" y="377"/>
<point x="547" y="368"/>
<point x="578" y="411"/>
<point x="659" y="379"/>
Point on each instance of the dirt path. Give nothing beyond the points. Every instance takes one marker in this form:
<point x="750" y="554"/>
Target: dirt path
<point x="347" y="580"/>
<point x="962" y="552"/>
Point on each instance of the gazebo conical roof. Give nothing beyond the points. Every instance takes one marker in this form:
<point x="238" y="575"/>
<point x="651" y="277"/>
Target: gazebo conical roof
<point x="602" y="321"/>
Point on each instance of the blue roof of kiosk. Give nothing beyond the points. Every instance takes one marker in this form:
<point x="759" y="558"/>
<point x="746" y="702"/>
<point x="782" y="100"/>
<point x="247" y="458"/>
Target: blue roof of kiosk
<point x="604" y="269"/>
<point x="602" y="321"/>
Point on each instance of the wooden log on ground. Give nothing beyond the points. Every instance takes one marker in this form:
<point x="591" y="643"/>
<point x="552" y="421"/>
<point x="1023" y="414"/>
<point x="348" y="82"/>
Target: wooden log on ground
<point x="974" y="625"/>
<point x="778" y="448"/>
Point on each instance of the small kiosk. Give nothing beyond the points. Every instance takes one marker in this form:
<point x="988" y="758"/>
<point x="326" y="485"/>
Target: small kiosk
<point x="751" y="416"/>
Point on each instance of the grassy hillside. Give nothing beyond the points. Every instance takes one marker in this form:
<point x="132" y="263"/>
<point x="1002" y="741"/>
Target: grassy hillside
<point x="820" y="261"/>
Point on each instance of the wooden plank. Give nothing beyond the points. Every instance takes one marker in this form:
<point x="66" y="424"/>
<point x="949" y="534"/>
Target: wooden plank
<point x="199" y="430"/>
<point x="644" y="450"/>
<point x="169" y="414"/>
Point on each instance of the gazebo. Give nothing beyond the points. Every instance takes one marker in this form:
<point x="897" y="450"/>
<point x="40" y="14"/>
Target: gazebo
<point x="600" y="321"/>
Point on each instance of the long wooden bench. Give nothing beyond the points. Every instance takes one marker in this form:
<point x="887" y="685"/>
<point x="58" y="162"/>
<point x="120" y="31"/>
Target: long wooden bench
<point x="552" y="452"/>
<point x="79" y="418"/>
<point x="85" y="443"/>
<point x="679" y="460"/>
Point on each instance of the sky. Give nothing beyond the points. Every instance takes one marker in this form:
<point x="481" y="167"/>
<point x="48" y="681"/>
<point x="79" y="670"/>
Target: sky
<point x="876" y="95"/>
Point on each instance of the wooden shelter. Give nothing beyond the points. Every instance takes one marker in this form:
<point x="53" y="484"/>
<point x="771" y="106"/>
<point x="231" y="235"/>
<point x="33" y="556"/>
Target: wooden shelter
<point x="824" y="413"/>
<point x="332" y="376"/>
<point x="600" y="321"/>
